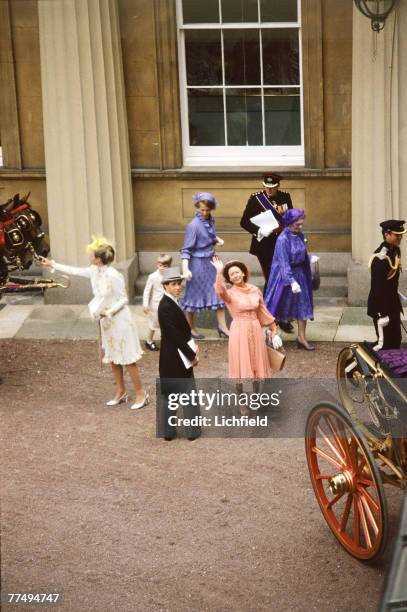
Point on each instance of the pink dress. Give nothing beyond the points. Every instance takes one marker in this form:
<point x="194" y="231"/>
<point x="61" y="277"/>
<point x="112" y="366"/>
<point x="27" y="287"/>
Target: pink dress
<point x="247" y="347"/>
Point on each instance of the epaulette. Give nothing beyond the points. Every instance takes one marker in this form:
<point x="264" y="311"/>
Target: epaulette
<point x="256" y="193"/>
<point x="382" y="254"/>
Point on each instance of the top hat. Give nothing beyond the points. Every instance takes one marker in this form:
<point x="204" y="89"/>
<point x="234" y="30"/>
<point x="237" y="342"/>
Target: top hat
<point x="393" y="225"/>
<point x="171" y="274"/>
<point x="271" y="180"/>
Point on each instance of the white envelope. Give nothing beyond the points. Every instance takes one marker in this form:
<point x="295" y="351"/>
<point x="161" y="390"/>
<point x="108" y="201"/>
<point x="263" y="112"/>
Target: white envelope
<point x="185" y="359"/>
<point x="266" y="221"/>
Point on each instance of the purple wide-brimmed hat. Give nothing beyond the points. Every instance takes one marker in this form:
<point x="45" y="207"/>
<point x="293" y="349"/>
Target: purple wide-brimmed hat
<point x="204" y="195"/>
<point x="292" y="215"/>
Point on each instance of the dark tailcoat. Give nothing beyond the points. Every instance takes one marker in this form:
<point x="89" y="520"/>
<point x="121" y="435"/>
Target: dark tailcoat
<point x="175" y="334"/>
<point x="384" y="299"/>
<point x="264" y="250"/>
<point x="175" y="378"/>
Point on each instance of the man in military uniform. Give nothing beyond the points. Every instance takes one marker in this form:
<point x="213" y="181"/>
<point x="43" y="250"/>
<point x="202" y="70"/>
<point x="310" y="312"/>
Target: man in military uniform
<point x="271" y="198"/>
<point x="384" y="304"/>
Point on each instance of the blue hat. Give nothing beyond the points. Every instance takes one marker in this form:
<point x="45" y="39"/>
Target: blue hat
<point x="204" y="195"/>
<point x="291" y="215"/>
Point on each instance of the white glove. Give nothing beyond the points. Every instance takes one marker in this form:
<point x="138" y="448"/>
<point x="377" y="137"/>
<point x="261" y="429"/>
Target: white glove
<point x="383" y="321"/>
<point x="260" y="234"/>
<point x="219" y="241"/>
<point x="276" y="342"/>
<point x="295" y="288"/>
<point x="186" y="272"/>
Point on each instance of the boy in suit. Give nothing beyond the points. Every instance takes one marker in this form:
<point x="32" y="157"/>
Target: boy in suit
<point x="175" y="335"/>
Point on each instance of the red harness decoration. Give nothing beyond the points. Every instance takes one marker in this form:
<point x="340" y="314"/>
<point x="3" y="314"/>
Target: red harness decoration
<point x="2" y="236"/>
<point x="19" y="209"/>
<point x="9" y="222"/>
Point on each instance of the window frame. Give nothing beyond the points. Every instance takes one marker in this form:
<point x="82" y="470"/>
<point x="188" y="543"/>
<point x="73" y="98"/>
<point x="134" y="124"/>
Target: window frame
<point x="193" y="156"/>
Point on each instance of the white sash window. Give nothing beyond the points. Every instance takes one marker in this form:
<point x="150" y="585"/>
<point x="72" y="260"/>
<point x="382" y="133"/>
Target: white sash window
<point x="241" y="83"/>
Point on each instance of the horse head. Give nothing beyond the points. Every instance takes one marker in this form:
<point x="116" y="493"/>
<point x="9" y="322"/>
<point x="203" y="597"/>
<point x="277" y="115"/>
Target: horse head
<point x="21" y="236"/>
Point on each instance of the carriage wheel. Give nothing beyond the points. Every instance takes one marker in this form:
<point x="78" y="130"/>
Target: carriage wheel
<point x="351" y="387"/>
<point x="346" y="481"/>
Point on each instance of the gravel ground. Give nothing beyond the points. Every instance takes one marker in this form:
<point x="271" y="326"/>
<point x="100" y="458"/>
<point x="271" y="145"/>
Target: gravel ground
<point x="94" y="506"/>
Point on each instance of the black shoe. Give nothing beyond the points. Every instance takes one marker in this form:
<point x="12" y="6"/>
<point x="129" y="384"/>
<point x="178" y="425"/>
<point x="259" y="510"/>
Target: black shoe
<point x="152" y="346"/>
<point x="286" y="326"/>
<point x="169" y="439"/>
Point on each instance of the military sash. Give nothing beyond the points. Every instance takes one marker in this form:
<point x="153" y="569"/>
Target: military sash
<point x="267" y="205"/>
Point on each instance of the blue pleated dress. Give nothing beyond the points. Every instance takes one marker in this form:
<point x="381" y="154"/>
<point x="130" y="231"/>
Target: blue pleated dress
<point x="198" y="248"/>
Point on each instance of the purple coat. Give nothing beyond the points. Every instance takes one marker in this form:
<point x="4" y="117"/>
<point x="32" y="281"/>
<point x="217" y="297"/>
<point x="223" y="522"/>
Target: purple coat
<point x="291" y="262"/>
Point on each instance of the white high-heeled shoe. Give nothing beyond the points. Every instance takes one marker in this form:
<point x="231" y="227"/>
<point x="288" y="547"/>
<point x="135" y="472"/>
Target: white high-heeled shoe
<point x="122" y="400"/>
<point x="137" y="406"/>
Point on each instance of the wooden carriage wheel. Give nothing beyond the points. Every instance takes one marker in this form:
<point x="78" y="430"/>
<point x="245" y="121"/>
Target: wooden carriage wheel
<point x="346" y="481"/>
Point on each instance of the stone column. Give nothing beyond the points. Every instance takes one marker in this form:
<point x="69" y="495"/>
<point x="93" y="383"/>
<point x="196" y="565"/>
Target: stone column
<point x="379" y="121"/>
<point x="86" y="137"/>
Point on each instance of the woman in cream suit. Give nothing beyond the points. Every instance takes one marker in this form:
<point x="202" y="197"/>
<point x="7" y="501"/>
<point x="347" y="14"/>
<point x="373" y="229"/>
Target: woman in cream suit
<point x="120" y="342"/>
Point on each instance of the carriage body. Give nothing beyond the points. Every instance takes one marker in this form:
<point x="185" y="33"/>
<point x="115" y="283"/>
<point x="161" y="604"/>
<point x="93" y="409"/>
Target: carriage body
<point x="354" y="449"/>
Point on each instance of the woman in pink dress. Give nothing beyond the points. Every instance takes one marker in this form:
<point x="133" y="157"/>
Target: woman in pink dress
<point x="247" y="348"/>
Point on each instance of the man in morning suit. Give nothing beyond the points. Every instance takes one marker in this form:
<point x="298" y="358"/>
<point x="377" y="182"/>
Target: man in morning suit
<point x="175" y="335"/>
<point x="383" y="303"/>
<point x="271" y="198"/>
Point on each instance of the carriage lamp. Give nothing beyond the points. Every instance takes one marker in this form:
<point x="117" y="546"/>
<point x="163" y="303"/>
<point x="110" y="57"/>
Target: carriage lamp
<point x="376" y="10"/>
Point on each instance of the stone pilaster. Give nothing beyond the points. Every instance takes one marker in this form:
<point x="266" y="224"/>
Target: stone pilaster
<point x="379" y="98"/>
<point x="85" y="128"/>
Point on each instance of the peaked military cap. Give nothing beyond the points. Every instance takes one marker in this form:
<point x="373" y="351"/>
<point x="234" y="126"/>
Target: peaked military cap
<point x="393" y="225"/>
<point x="272" y="179"/>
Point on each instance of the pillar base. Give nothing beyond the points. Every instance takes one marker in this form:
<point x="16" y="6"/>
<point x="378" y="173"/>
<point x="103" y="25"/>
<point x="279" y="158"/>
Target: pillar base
<point x="79" y="291"/>
<point x="358" y="283"/>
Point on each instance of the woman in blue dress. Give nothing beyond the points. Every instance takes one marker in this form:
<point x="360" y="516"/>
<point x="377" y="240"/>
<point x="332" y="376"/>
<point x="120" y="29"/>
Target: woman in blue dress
<point x="289" y="288"/>
<point x="196" y="255"/>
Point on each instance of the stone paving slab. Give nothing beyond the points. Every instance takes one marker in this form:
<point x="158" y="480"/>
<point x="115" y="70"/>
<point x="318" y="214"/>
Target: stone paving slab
<point x="353" y="315"/>
<point x="83" y="329"/>
<point x="332" y="323"/>
<point x="355" y="333"/>
<point x="55" y="312"/>
<point x="328" y="314"/>
<point x="11" y="319"/>
<point x="45" y="330"/>
<point x="321" y="332"/>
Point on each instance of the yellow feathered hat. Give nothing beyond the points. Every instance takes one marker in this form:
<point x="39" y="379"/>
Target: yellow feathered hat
<point x="97" y="243"/>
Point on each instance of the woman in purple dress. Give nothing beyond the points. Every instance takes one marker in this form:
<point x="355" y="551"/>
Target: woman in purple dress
<point x="289" y="288"/>
<point x="196" y="255"/>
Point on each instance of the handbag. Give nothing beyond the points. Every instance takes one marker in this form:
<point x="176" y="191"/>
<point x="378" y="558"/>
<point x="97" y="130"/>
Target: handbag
<point x="276" y="358"/>
<point x="316" y="276"/>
